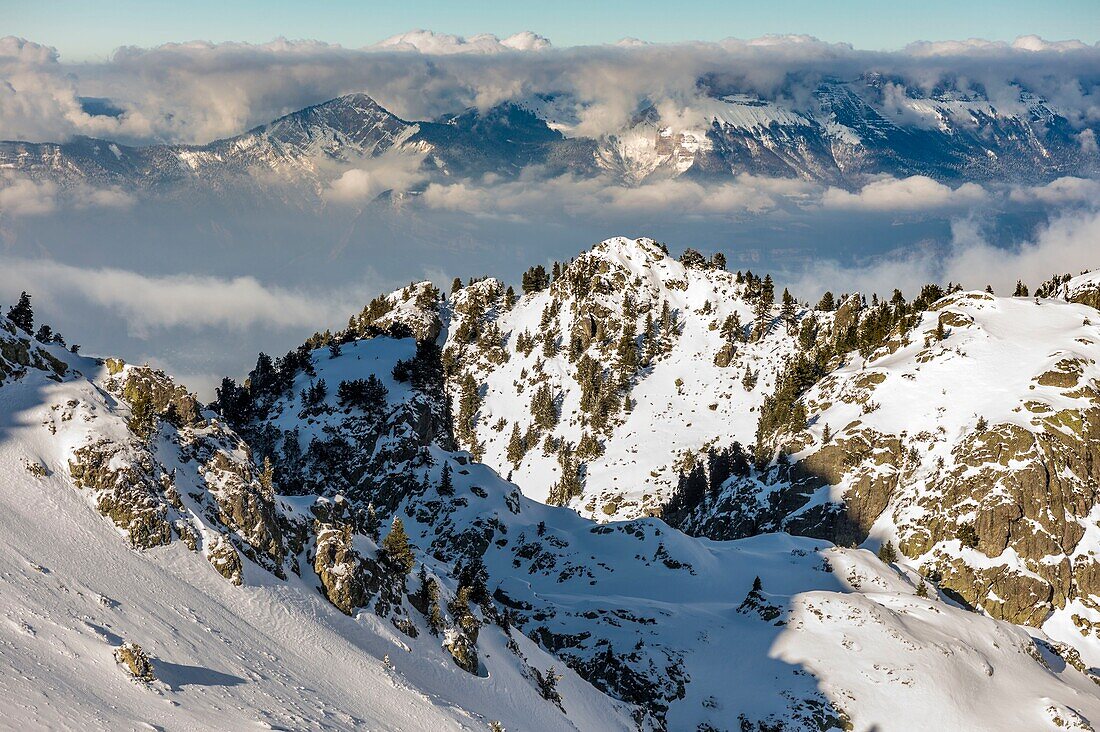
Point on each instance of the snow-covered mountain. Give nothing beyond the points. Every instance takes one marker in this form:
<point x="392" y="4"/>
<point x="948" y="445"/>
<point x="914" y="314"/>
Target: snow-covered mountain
<point x="636" y="349"/>
<point x="305" y="149"/>
<point x="849" y="130"/>
<point x="845" y="132"/>
<point x="280" y="592"/>
<point x="626" y="384"/>
<point x="966" y="435"/>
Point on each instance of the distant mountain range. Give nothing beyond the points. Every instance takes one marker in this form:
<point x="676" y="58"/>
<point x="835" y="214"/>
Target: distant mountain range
<point x="845" y="133"/>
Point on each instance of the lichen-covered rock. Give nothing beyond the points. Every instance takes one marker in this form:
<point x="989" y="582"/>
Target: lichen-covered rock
<point x="158" y="388"/>
<point x="340" y="568"/>
<point x="18" y="353"/>
<point x="1084" y="290"/>
<point x="462" y="650"/>
<point x="225" y="559"/>
<point x="128" y="487"/>
<point x="244" y="505"/>
<point x="134" y="660"/>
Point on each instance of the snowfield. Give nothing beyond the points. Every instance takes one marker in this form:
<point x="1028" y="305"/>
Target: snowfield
<point x="771" y="630"/>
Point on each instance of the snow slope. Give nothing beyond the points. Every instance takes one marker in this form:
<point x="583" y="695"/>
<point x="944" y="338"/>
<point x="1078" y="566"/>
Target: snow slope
<point x="968" y="440"/>
<point x="681" y="402"/>
<point x="650" y="628"/>
<point x="269" y="654"/>
<point x="673" y="623"/>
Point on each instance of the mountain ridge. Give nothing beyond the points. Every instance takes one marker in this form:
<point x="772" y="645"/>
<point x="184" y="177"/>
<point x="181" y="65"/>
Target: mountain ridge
<point x="338" y="500"/>
<point x="841" y="139"/>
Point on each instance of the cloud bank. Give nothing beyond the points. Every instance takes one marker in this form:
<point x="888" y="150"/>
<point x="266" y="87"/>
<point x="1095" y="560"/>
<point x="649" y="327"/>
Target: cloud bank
<point x="20" y="196"/>
<point x="1067" y="244"/>
<point x="147" y="303"/>
<point x="532" y="197"/>
<point x="198" y="91"/>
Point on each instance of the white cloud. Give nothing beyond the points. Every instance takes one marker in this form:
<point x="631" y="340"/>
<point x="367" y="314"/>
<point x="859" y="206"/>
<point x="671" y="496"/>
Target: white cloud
<point x="1066" y="244"/>
<point x="191" y="302"/>
<point x="362" y="184"/>
<point x="20" y="196"/>
<point x="198" y="91"/>
<point x="1063" y="191"/>
<point x="915" y="193"/>
<point x="1087" y="140"/>
<point x="602" y="198"/>
<point x="25" y="197"/>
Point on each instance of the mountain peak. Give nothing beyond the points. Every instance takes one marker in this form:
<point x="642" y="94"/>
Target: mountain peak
<point x="624" y="249"/>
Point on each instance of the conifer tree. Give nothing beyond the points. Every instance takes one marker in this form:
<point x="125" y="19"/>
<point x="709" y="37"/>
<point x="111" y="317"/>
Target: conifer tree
<point x="396" y="550"/>
<point x="798" y="417"/>
<point x="426" y="600"/>
<point x="535" y="279"/>
<point x="143" y="416"/>
<point x="650" y="345"/>
<point x="469" y="401"/>
<point x="732" y="330"/>
<point x="1021" y="289"/>
<point x="827" y="303"/>
<point x="517" y="446"/>
<point x="749" y="380"/>
<point x="887" y="553"/>
<point x="626" y="354"/>
<point x="446" y="485"/>
<point x="22" y="314"/>
<point x="543" y="408"/>
<point x="763" y="307"/>
<point x="788" y="311"/>
<point x="372" y="522"/>
<point x="807" y="335"/>
<point x="550" y="345"/>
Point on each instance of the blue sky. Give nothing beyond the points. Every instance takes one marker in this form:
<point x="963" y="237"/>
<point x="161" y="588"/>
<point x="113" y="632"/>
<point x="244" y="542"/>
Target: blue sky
<point x="89" y="30"/>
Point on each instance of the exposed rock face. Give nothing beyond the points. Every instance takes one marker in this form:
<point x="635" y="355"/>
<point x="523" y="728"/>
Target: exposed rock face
<point x="243" y="504"/>
<point x="133" y="658"/>
<point x="340" y="568"/>
<point x="1084" y="289"/>
<point x="981" y="452"/>
<point x="19" y="352"/>
<point x="158" y="388"/>
<point x="133" y="495"/>
<point x="192" y="478"/>
<point x="225" y="559"/>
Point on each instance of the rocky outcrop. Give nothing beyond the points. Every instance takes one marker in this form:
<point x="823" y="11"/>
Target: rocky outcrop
<point x="128" y="487"/>
<point x="998" y="513"/>
<point x="225" y="559"/>
<point x="341" y="570"/>
<point x="131" y="656"/>
<point x="166" y="397"/>
<point x="19" y="352"/>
